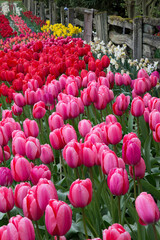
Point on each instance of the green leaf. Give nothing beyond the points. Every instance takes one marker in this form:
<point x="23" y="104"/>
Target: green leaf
<point x="147" y="153"/>
<point x="150" y="189"/>
<point x="130" y="123"/>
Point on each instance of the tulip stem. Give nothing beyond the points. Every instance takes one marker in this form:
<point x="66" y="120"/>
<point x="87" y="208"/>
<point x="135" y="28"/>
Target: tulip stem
<point x="155" y="231"/>
<point x="38" y="233"/>
<point x="135" y="195"/>
<point x="60" y="162"/>
<point x="119" y="209"/>
<point x="84" y="223"/>
<point x="58" y="237"/>
<point x="115" y="149"/>
<point x="138" y="127"/>
<point x="8" y="215"/>
<point x="4" y="160"/>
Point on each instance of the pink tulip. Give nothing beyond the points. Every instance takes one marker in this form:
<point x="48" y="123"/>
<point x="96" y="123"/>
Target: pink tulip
<point x="37" y="172"/>
<point x="33" y="148"/>
<point x="139" y="169"/>
<point x="116" y="232"/>
<point x="140" y="86"/>
<point x="30" y="128"/>
<point x="17" y="111"/>
<point x="117" y="181"/>
<point x="110" y="119"/>
<point x="6" y="199"/>
<point x="92" y="91"/>
<point x="146" y="98"/>
<point x="61" y="108"/>
<point x="119" y="79"/>
<point x="18" y="143"/>
<point x="147" y="209"/>
<point x="80" y="193"/>
<point x="114" y="133"/>
<point x="121" y="163"/>
<point x="146" y="115"/>
<point x="100" y="148"/>
<point x="137" y="107"/>
<point x="46" y="154"/>
<point x="20" y="168"/>
<point x="116" y="110"/>
<point x="45" y="190"/>
<point x="122" y="102"/>
<point x="72" y="154"/>
<point x="89" y="154"/>
<point x="154" y="119"/>
<point x="30" y="205"/>
<point x="6" y="113"/>
<point x="30" y="97"/>
<point x="109" y="160"/>
<point x="68" y="133"/>
<point x="56" y="139"/>
<point x="126" y="79"/>
<point x="142" y="73"/>
<point x="110" y="77"/>
<point x="72" y="88"/>
<point x="84" y="126"/>
<point x="39" y="110"/>
<point x="23" y="226"/>
<point x="20" y="192"/>
<point x="131" y="152"/>
<point x="55" y="121"/>
<point x="6" y="178"/>
<point x="58" y="217"/>
<point x="3" y="233"/>
<point x="4" y="138"/>
<point x="19" y="99"/>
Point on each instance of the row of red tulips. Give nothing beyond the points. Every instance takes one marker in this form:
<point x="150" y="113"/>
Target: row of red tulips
<point x="5" y="28"/>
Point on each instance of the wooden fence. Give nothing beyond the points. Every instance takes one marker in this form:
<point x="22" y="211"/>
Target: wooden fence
<point x="137" y="34"/>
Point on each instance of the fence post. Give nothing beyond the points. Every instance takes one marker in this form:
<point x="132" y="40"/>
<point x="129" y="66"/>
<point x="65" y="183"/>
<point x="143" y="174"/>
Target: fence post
<point x="42" y="11"/>
<point x="52" y="12"/>
<point x="32" y="6"/>
<point x="71" y="16"/>
<point x="26" y="4"/>
<point x="62" y="15"/>
<point x="137" y="38"/>
<point x="88" y="21"/>
<point x="102" y="26"/>
<point x="35" y="8"/>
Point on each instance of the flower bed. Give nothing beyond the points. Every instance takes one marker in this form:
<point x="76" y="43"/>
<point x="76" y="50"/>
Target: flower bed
<point x="85" y="138"/>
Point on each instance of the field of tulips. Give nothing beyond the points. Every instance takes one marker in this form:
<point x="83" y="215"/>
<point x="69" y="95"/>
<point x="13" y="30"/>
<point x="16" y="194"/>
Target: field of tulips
<point x="79" y="140"/>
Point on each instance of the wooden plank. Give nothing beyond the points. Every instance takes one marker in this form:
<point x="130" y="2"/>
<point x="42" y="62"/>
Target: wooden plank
<point x="88" y="16"/>
<point x="152" y="21"/>
<point x="78" y="22"/>
<point x="71" y="16"/>
<point x="137" y="38"/>
<point x="62" y="15"/>
<point x="151" y="40"/>
<point x="121" y="39"/>
<point x="123" y="24"/>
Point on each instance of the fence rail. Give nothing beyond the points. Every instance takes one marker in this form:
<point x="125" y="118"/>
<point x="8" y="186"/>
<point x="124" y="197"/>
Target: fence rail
<point x="137" y="34"/>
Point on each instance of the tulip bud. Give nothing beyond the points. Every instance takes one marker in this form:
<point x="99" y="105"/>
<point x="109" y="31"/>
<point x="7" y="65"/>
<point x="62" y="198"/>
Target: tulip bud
<point x="117" y="181"/>
<point x="58" y="217"/>
<point x="147" y="209"/>
<point x="20" y="192"/>
<point x="6" y="199"/>
<point x="80" y="193"/>
<point x="116" y="231"/>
